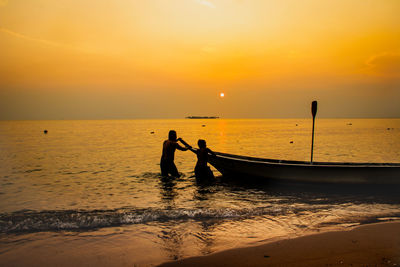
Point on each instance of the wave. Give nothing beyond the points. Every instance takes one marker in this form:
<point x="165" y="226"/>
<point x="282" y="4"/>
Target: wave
<point x="76" y="220"/>
<point x="33" y="221"/>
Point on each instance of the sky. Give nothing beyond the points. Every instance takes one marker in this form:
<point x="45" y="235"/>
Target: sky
<point x="128" y="59"/>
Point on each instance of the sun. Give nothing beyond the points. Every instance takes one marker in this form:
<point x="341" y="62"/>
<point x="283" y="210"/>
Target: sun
<point x="222" y="95"/>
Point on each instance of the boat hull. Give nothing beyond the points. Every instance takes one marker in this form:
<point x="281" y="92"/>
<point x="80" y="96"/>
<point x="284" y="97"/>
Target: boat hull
<point x="299" y="171"/>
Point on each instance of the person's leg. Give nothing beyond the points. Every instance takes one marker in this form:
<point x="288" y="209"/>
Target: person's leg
<point x="164" y="168"/>
<point x="197" y="172"/>
<point x="200" y="172"/>
<point x="173" y="170"/>
<point x="210" y="174"/>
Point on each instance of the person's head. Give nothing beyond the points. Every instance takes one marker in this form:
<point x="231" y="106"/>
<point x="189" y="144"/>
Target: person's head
<point x="172" y="135"/>
<point x="201" y="143"/>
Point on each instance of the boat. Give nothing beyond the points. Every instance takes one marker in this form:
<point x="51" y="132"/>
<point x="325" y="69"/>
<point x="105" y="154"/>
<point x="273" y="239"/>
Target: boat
<point x="303" y="171"/>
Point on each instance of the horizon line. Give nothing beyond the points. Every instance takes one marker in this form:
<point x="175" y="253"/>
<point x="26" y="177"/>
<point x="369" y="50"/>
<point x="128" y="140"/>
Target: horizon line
<point x="183" y="118"/>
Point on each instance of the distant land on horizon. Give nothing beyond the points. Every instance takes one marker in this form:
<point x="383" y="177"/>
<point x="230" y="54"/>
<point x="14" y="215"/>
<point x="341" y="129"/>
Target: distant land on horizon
<point x="202" y="117"/>
<point x="198" y="117"/>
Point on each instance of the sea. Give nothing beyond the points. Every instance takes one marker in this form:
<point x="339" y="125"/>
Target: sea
<point x="93" y="187"/>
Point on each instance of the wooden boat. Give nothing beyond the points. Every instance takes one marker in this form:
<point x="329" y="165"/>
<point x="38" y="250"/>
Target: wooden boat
<point x="302" y="171"/>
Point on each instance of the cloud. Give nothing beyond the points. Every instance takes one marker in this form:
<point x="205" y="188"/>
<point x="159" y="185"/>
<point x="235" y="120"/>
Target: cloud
<point x="25" y="37"/>
<point x="3" y="3"/>
<point x="45" y="42"/>
<point x="204" y="2"/>
<point x="385" y="63"/>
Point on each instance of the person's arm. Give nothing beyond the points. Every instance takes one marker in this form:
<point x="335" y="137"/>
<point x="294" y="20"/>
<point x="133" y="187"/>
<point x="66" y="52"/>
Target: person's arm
<point x="211" y="152"/>
<point x="181" y="147"/>
<point x="187" y="146"/>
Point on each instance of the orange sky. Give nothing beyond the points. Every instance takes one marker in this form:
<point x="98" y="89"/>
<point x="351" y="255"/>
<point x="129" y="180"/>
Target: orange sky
<point x="81" y="59"/>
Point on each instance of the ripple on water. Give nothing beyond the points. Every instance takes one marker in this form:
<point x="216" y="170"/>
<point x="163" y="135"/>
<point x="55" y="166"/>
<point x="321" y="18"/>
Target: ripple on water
<point x="33" y="170"/>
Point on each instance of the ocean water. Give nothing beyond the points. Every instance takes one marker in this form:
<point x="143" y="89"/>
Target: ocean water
<point x="95" y="186"/>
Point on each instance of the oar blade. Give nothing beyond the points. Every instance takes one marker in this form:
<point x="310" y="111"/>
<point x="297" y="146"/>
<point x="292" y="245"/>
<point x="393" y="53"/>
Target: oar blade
<point x="314" y="105"/>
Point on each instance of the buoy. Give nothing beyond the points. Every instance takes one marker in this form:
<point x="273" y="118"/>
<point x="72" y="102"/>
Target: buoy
<point x="151" y="132"/>
<point x="291" y="142"/>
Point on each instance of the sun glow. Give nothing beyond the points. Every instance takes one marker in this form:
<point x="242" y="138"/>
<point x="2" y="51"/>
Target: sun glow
<point x="123" y="59"/>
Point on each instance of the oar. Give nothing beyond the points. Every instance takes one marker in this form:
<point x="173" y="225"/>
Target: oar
<point x="313" y="112"/>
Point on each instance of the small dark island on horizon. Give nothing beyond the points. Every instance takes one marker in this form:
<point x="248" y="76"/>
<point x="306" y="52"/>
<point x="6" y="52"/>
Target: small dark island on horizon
<point x="202" y="117"/>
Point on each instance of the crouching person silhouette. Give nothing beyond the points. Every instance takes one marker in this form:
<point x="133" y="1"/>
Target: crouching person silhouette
<point x="168" y="153"/>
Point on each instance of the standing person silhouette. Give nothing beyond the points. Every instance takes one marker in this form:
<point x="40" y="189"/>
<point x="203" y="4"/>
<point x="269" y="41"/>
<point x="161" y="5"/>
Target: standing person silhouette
<point x="202" y="171"/>
<point x="168" y="153"/>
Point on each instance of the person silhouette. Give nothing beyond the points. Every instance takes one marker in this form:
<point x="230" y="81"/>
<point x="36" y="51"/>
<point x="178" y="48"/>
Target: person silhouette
<point x="202" y="171"/>
<point x="167" y="164"/>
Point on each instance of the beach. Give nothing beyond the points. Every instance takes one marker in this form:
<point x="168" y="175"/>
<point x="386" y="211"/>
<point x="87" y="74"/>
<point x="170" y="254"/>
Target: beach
<point x="367" y="245"/>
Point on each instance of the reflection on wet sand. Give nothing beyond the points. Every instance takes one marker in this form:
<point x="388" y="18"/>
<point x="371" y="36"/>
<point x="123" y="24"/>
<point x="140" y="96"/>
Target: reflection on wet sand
<point x="172" y="237"/>
<point x="168" y="191"/>
<point x="177" y="240"/>
<point x="206" y="236"/>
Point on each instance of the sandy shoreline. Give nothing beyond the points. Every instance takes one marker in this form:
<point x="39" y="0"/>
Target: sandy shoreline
<point x="367" y="245"/>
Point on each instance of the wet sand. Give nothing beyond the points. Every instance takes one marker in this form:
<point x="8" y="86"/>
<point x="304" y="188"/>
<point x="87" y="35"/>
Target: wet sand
<point x="367" y="245"/>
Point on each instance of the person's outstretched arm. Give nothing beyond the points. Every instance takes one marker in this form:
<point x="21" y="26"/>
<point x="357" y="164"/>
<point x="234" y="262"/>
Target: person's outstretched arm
<point x="181" y="147"/>
<point x="211" y="152"/>
<point x="187" y="146"/>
